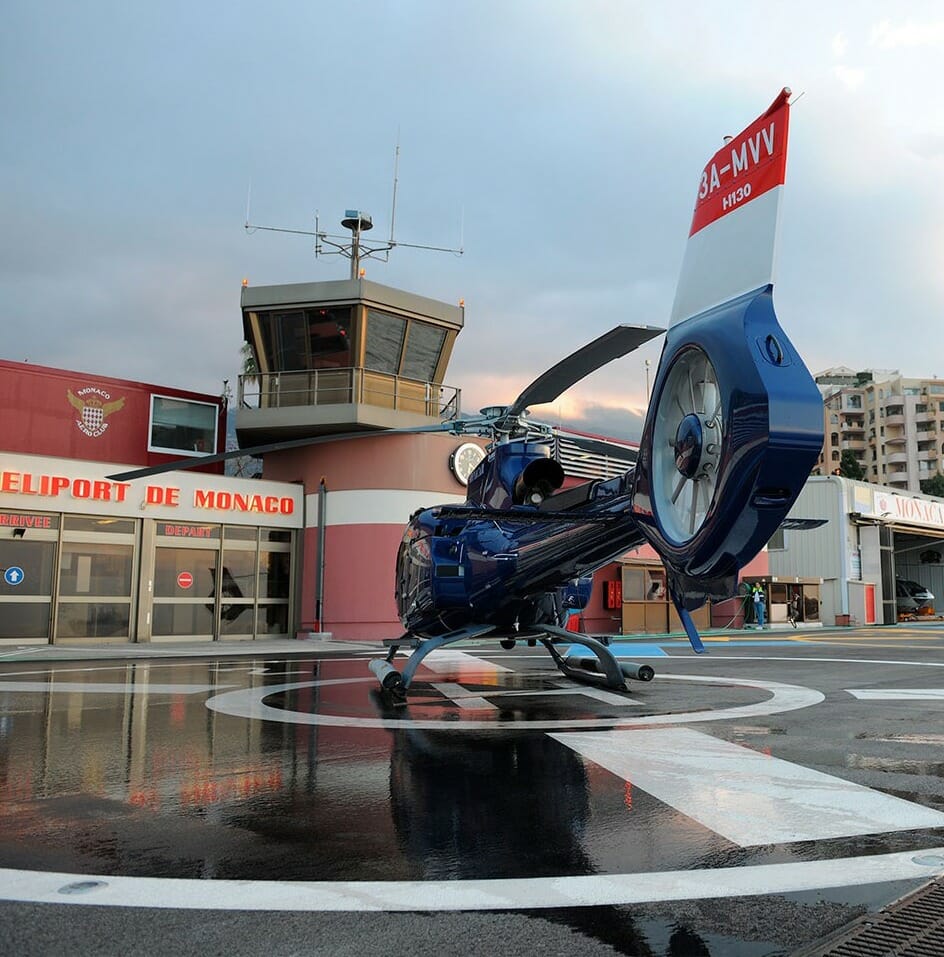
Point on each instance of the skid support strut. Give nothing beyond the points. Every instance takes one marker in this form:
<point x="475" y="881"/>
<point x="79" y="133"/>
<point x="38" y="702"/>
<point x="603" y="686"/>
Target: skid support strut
<point x="392" y="680"/>
<point x="609" y="669"/>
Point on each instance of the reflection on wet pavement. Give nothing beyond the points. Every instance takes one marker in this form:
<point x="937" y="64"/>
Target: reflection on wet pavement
<point x="124" y="770"/>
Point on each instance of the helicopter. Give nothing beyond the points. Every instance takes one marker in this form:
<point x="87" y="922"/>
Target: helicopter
<point x="733" y="429"/>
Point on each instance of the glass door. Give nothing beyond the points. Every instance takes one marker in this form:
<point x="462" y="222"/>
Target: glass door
<point x="185" y="583"/>
<point x="28" y="544"/>
<point x="96" y="578"/>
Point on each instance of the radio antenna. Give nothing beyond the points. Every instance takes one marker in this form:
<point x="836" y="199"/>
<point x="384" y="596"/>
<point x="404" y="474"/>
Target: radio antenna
<point x="396" y="168"/>
<point x="358" y="222"/>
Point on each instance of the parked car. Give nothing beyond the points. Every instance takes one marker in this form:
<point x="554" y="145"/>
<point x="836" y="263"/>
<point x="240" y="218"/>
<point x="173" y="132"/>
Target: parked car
<point x="913" y="598"/>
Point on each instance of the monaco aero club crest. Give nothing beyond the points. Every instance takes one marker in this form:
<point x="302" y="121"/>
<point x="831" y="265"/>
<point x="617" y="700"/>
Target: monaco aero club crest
<point x="94" y="406"/>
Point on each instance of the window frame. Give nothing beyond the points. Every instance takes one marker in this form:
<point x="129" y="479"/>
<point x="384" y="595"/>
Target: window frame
<point x="151" y="447"/>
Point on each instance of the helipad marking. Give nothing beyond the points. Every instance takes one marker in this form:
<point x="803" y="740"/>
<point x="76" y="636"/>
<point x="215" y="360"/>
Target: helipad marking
<point x="249" y="703"/>
<point x="466" y="700"/>
<point x="810" y="659"/>
<point x="898" y="694"/>
<point x="743" y="795"/>
<point x="448" y="659"/>
<point x="599" y="694"/>
<point x="44" y="887"/>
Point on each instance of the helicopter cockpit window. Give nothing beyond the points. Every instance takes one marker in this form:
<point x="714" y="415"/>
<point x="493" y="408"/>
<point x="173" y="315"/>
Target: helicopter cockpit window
<point x="423" y="347"/>
<point x="384" y="341"/>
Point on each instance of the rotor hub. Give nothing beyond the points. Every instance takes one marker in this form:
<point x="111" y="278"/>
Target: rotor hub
<point x="689" y="442"/>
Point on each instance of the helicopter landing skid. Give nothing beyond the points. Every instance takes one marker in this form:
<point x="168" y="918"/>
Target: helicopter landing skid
<point x="396" y="682"/>
<point x="603" y="669"/>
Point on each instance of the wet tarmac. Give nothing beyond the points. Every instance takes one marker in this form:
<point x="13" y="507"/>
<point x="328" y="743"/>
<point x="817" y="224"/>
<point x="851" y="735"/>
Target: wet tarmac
<point x="747" y="802"/>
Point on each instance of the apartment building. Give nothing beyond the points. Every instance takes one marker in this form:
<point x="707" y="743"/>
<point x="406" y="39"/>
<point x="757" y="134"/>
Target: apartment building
<point x="893" y="425"/>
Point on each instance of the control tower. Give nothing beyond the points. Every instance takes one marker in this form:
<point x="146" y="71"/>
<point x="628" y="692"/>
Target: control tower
<point x="344" y="356"/>
<point x="340" y="357"/>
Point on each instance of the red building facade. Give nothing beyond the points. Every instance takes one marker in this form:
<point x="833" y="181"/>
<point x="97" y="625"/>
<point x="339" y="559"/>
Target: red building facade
<point x="189" y="555"/>
<point x="96" y="418"/>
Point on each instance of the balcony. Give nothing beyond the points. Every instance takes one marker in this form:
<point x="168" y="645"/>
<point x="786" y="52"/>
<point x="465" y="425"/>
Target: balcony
<point x="897" y="458"/>
<point x="927" y="455"/>
<point x="856" y="445"/>
<point x="319" y="401"/>
<point x="897" y="418"/>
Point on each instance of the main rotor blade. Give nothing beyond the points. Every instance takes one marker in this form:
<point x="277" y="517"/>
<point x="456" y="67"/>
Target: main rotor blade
<point x="514" y="515"/>
<point x="190" y="463"/>
<point x="559" y="378"/>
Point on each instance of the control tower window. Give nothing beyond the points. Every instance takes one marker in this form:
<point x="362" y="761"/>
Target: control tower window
<point x="182" y="427"/>
<point x="384" y="341"/>
<point x="291" y="340"/>
<point x="329" y="332"/>
<point x="423" y="347"/>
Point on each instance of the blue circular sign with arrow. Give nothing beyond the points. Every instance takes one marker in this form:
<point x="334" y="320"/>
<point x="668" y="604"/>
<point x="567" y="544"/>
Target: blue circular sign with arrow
<point x="13" y="575"/>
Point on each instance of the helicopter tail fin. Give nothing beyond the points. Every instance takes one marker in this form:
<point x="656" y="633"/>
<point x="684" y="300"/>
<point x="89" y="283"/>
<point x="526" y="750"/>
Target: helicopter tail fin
<point x="736" y="422"/>
<point x="731" y="247"/>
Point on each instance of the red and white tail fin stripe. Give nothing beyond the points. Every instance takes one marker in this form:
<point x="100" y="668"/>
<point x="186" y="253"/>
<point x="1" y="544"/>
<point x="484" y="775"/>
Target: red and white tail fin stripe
<point x="733" y="238"/>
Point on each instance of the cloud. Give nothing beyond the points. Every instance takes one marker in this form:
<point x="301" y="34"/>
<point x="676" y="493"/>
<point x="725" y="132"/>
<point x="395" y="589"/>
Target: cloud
<point x="849" y="77"/>
<point x="910" y="33"/>
<point x="569" y="136"/>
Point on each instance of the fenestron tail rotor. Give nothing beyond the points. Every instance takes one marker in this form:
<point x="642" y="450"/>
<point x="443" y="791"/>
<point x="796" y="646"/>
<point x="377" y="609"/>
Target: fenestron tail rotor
<point x="687" y="443"/>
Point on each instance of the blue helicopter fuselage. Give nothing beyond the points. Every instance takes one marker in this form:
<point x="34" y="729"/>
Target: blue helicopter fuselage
<point x="527" y="565"/>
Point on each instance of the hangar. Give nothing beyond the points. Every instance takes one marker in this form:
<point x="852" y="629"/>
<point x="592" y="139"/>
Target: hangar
<point x="874" y="538"/>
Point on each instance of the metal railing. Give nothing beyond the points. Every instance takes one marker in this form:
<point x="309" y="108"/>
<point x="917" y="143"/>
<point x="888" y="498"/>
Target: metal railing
<point x="323" y="387"/>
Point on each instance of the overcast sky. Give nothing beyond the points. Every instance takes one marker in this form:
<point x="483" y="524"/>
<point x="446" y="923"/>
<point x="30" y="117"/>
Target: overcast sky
<point x="565" y="140"/>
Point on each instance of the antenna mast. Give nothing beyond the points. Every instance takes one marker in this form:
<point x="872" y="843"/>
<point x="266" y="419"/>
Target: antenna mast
<point x="358" y="222"/>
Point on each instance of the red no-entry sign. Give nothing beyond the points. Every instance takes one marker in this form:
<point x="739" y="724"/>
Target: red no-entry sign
<point x="184" y="580"/>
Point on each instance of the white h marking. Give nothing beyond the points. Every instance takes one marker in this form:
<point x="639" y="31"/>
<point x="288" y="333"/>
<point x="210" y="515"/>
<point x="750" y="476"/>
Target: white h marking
<point x="899" y="694"/>
<point x="745" y="796"/>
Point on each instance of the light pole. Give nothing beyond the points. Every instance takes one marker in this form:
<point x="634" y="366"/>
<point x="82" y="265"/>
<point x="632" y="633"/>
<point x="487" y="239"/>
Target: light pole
<point x="648" y="363"/>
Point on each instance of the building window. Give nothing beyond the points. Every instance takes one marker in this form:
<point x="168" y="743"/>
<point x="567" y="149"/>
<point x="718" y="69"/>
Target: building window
<point x="182" y="426"/>
<point x="853" y="401"/>
<point x="776" y="542"/>
<point x="834" y="438"/>
<point x="835" y="455"/>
